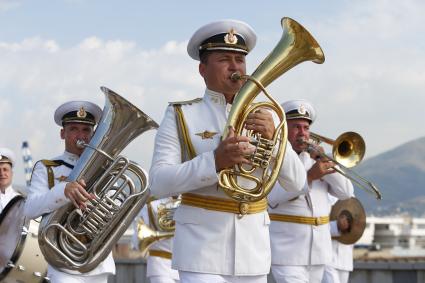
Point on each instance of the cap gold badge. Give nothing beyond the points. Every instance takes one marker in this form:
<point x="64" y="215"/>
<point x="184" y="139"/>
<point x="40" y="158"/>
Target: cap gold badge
<point x="81" y="113"/>
<point x="230" y="37"/>
<point x="302" y="109"/>
<point x="206" y="135"/>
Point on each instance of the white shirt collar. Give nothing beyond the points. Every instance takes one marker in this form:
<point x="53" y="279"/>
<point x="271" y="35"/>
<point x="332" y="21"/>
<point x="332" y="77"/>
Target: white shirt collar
<point x="215" y="97"/>
<point x="70" y="157"/>
<point x="7" y="190"/>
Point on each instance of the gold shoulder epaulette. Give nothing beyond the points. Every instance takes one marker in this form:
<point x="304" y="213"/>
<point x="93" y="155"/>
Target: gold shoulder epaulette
<point x="49" y="163"/>
<point x="187" y="102"/>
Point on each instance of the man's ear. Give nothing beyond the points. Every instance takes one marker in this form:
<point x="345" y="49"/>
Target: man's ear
<point x="63" y="133"/>
<point x="201" y="68"/>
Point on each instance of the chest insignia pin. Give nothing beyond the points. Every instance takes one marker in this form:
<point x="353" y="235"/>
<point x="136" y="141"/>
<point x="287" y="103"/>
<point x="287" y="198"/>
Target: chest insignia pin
<point x="61" y="178"/>
<point x="206" y="135"/>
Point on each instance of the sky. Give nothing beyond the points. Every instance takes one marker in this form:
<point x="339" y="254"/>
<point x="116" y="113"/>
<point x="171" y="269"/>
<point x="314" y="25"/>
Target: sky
<point x="372" y="80"/>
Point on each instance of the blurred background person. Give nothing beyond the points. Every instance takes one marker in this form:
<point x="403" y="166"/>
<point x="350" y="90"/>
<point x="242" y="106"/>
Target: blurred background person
<point x="7" y="158"/>
<point x="155" y="241"/>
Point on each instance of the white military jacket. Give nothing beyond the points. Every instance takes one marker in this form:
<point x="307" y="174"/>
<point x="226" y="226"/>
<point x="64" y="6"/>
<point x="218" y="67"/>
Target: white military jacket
<point x="159" y="266"/>
<point x="342" y="254"/>
<point x="8" y="195"/>
<point x="209" y="241"/>
<point x="303" y="244"/>
<point x="42" y="200"/>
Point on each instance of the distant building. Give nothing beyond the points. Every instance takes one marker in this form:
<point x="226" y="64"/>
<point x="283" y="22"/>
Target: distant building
<point x="403" y="232"/>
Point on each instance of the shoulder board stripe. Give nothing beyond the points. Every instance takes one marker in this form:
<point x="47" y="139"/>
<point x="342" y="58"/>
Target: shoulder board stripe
<point x="61" y="162"/>
<point x="50" y="163"/>
<point x="187" y="102"/>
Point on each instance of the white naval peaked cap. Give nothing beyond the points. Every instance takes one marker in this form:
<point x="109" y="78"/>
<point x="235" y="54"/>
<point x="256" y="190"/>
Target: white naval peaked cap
<point x="78" y="112"/>
<point x="227" y="35"/>
<point x="299" y="109"/>
<point x="7" y="156"/>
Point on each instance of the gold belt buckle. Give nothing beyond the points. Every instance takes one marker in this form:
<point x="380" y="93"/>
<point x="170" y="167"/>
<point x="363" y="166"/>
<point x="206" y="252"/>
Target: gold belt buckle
<point x="243" y="208"/>
<point x="317" y="221"/>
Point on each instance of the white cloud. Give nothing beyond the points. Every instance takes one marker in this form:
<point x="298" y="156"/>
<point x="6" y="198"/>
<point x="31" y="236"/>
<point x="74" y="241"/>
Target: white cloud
<point x="35" y="43"/>
<point x="34" y="81"/>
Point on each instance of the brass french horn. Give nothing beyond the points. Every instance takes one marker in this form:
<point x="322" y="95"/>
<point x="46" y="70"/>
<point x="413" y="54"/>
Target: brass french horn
<point x="295" y="46"/>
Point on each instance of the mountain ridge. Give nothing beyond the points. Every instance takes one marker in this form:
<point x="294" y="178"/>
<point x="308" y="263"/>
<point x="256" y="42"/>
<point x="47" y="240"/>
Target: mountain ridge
<point x="400" y="175"/>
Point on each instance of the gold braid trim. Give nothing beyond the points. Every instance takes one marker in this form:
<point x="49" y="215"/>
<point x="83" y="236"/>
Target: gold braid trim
<point x="223" y="205"/>
<point x="300" y="219"/>
<point x="50" y="176"/>
<point x="186" y="143"/>
<point x="160" y="253"/>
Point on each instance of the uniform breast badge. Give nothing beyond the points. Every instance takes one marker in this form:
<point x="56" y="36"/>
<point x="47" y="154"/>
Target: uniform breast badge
<point x="206" y="134"/>
<point x="61" y="178"/>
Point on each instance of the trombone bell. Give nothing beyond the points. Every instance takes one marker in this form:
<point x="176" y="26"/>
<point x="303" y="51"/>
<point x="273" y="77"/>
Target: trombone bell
<point x="349" y="149"/>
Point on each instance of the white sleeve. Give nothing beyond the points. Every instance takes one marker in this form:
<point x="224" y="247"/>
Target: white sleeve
<point x="339" y="186"/>
<point x="279" y="195"/>
<point x="292" y="175"/>
<point x="334" y="229"/>
<point x="40" y="199"/>
<point x="168" y="176"/>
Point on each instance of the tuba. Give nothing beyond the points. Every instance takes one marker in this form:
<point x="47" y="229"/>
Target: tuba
<point x="79" y="240"/>
<point x="295" y="46"/>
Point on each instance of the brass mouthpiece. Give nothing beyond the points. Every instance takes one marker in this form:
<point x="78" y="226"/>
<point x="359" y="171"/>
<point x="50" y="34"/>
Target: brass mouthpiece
<point x="80" y="144"/>
<point x="235" y="76"/>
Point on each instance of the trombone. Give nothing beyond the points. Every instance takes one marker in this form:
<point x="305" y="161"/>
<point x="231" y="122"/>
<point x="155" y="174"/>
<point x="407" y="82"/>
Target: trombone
<point x="347" y="151"/>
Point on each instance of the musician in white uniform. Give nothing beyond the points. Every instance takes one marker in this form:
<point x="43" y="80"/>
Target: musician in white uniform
<point x="299" y="230"/>
<point x="49" y="190"/>
<point x="338" y="270"/>
<point x="158" y="262"/>
<point x="7" y="192"/>
<point x="217" y="239"/>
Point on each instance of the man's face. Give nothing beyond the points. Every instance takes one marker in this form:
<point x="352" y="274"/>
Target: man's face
<point x="218" y="68"/>
<point x="6" y="175"/>
<point x="72" y="132"/>
<point x="298" y="131"/>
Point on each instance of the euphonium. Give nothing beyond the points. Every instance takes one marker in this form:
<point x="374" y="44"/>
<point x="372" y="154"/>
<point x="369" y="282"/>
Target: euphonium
<point x="295" y="46"/>
<point x="79" y="240"/>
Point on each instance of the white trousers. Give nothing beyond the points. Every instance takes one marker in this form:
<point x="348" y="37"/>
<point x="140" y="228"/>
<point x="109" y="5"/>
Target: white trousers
<point x="195" y="277"/>
<point x="298" y="274"/>
<point x="333" y="275"/>
<point x="162" y="279"/>
<point x="62" y="277"/>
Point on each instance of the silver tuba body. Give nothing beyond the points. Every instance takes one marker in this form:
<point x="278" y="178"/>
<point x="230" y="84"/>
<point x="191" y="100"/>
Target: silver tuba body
<point x="79" y="240"/>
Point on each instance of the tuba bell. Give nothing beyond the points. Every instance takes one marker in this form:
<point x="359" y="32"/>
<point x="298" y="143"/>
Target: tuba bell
<point x="79" y="240"/>
<point x="295" y="46"/>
